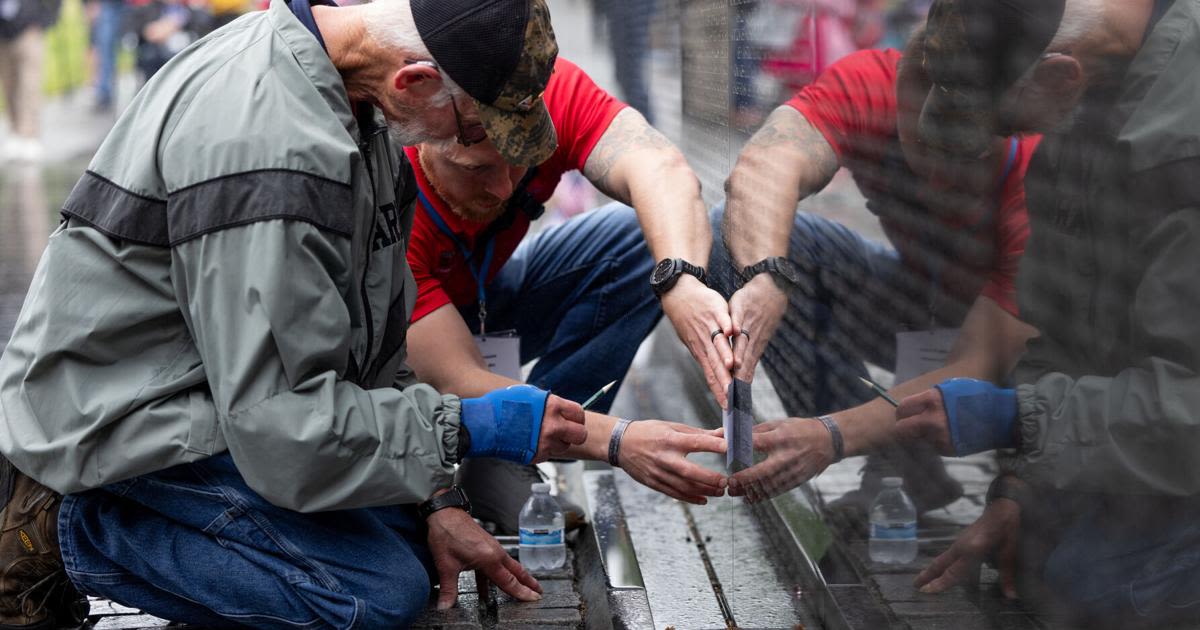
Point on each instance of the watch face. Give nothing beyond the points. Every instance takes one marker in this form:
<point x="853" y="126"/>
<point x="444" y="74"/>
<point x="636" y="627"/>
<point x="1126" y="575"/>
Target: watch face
<point x="788" y="271"/>
<point x="663" y="271"/>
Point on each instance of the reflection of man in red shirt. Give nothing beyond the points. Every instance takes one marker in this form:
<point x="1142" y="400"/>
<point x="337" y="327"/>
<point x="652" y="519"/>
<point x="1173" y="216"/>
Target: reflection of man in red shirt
<point x="958" y="229"/>
<point x="577" y="295"/>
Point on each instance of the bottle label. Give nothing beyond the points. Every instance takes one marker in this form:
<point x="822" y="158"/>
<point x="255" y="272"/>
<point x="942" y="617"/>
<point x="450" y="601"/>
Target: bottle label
<point x="541" y="536"/>
<point x="899" y="531"/>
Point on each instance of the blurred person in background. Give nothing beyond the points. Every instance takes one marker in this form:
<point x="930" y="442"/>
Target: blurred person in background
<point x="580" y="296"/>
<point x="801" y="38"/>
<point x="164" y="28"/>
<point x="817" y="299"/>
<point x="902" y="18"/>
<point x="629" y="40"/>
<point x="106" y="27"/>
<point x="223" y="12"/>
<point x="23" y="24"/>
<point x="1099" y="511"/>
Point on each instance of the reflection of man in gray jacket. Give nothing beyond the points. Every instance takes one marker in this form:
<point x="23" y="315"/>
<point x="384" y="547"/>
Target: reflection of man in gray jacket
<point x="211" y="356"/>
<point x="1101" y="505"/>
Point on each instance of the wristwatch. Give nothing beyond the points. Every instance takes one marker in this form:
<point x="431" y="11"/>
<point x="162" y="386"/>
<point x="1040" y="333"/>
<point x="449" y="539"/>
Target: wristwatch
<point x="1007" y="486"/>
<point x="666" y="273"/>
<point x="779" y="267"/>
<point x="455" y="497"/>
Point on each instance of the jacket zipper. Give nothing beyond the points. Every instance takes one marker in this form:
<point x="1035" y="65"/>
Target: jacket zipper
<point x="368" y="315"/>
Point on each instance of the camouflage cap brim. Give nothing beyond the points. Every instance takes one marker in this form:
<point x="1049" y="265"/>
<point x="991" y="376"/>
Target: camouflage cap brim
<point x="522" y="138"/>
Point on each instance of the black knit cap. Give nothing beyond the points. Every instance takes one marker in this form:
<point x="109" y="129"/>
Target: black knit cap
<point x="501" y="53"/>
<point x="975" y="51"/>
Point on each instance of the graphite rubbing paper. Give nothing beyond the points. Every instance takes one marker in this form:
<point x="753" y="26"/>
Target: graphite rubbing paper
<point x="739" y="427"/>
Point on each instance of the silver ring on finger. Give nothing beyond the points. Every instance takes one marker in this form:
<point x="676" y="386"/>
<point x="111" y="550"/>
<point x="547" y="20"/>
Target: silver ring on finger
<point x="713" y="336"/>
<point x="747" y="333"/>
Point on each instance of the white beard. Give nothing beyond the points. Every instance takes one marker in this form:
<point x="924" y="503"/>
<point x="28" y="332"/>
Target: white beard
<point x="409" y="132"/>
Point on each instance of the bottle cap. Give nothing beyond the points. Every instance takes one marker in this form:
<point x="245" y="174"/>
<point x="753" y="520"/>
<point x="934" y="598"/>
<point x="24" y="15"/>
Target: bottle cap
<point x="893" y="482"/>
<point x="541" y="487"/>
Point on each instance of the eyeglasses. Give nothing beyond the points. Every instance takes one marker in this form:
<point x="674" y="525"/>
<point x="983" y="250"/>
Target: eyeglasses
<point x="467" y="135"/>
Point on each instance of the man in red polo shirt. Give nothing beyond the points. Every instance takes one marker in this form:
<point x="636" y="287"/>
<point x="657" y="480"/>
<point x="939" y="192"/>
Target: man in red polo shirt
<point x="939" y="303"/>
<point x="578" y="297"/>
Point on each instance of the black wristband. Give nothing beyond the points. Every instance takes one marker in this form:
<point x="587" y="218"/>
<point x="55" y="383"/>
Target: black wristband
<point x="614" y="442"/>
<point x="456" y="498"/>
<point x="835" y="433"/>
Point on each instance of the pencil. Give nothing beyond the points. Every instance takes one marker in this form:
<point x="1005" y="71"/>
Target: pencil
<point x="879" y="390"/>
<point x="603" y="390"/>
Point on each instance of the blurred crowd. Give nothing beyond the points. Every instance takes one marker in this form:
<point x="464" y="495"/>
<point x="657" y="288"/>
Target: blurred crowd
<point x="780" y="46"/>
<point x="152" y="31"/>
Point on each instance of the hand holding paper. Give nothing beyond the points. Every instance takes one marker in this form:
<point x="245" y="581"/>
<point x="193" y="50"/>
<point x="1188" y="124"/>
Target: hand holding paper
<point x="796" y="450"/>
<point x="655" y="453"/>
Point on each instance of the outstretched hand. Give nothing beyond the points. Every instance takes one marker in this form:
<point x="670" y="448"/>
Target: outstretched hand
<point x="996" y="532"/>
<point x="655" y="453"/>
<point x="458" y="543"/>
<point x="796" y="450"/>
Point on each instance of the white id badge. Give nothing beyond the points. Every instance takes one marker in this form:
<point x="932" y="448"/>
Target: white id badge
<point x="922" y="351"/>
<point x="502" y="353"/>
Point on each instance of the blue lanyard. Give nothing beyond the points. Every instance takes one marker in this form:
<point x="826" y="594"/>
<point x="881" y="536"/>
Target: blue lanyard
<point x="479" y="273"/>
<point x="935" y="271"/>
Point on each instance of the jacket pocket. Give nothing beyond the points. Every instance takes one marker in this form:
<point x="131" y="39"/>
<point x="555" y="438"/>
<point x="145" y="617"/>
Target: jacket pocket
<point x="202" y="434"/>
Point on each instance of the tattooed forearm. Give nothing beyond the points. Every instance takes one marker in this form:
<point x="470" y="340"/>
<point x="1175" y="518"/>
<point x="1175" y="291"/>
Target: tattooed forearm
<point x="786" y="129"/>
<point x="629" y="132"/>
<point x="785" y="161"/>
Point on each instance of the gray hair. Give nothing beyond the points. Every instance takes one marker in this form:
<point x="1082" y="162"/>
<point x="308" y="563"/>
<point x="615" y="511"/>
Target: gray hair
<point x="390" y="23"/>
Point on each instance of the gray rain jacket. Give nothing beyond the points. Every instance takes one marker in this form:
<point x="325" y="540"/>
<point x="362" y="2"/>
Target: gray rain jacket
<point x="1110" y="393"/>
<point x="231" y="274"/>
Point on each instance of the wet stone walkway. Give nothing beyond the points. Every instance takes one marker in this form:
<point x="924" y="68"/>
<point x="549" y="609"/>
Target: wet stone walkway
<point x="962" y="608"/>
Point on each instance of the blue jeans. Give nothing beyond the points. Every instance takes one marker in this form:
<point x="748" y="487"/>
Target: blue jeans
<point x="855" y="296"/>
<point x="106" y="37"/>
<point x="193" y="543"/>
<point x="579" y="296"/>
<point x="1110" y="561"/>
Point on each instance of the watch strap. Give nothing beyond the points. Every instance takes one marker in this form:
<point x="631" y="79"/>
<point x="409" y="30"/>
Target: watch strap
<point x="455" y="497"/>
<point x="770" y="265"/>
<point x="694" y="270"/>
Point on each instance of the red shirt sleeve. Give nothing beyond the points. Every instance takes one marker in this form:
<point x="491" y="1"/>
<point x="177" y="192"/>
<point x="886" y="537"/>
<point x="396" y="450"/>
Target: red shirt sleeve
<point x="581" y="112"/>
<point x="854" y="100"/>
<point x="1012" y="230"/>
<point x="424" y="249"/>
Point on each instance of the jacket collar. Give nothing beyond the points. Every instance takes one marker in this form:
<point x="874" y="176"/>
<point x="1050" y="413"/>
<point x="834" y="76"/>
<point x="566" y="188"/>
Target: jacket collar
<point x="313" y="60"/>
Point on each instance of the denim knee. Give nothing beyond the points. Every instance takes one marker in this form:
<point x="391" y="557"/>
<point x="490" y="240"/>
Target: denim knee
<point x="397" y="604"/>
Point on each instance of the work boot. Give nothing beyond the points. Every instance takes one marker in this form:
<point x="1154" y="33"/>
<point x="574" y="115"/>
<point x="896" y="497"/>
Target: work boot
<point x="498" y="489"/>
<point x="926" y="483"/>
<point x="35" y="592"/>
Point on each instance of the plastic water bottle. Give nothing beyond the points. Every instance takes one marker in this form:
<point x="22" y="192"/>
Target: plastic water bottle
<point x="541" y="523"/>
<point x="893" y="525"/>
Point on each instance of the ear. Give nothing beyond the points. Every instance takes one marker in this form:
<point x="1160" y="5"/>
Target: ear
<point x="417" y="80"/>
<point x="1060" y="76"/>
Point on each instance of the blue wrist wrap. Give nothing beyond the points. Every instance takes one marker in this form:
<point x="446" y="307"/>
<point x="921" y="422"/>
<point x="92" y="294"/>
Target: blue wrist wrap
<point x="981" y="416"/>
<point x="505" y="423"/>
